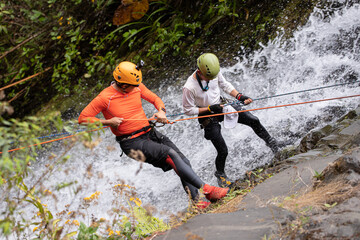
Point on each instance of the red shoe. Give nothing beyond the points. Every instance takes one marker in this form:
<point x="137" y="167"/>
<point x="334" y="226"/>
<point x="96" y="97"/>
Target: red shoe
<point x="202" y="204"/>
<point x="213" y="193"/>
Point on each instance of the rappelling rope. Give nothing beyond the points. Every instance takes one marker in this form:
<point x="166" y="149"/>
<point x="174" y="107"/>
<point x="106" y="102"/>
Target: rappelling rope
<point x="218" y="114"/>
<point x="232" y="103"/>
<point x="54" y="140"/>
<point x="237" y="102"/>
<point x="249" y="110"/>
<point x="301" y="91"/>
<point x="64" y="133"/>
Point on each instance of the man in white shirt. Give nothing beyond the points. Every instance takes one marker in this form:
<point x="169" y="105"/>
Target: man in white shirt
<point x="201" y="96"/>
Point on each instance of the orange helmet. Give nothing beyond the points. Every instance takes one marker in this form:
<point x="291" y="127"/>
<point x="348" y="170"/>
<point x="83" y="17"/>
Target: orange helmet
<point x="128" y="72"/>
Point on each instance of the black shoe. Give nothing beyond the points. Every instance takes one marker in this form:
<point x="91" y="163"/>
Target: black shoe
<point x="276" y="146"/>
<point x="273" y="145"/>
<point x="223" y="180"/>
<point x="282" y="144"/>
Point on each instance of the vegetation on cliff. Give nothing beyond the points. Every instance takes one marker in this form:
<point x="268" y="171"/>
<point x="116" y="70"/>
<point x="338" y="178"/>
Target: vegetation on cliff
<point x="55" y="53"/>
<point x="75" y="45"/>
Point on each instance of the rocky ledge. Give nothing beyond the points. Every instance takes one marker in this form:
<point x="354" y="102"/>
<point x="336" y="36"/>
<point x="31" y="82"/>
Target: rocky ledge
<point x="312" y="192"/>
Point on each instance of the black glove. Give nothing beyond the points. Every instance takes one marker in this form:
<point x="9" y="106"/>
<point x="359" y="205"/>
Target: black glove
<point x="216" y="108"/>
<point x="241" y="97"/>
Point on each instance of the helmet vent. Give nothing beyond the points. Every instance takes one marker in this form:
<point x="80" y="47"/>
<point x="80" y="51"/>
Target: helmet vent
<point x="208" y="70"/>
<point x="126" y="72"/>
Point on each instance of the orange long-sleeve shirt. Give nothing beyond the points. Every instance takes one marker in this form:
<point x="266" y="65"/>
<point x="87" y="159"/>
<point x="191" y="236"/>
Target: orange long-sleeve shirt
<point x="113" y="103"/>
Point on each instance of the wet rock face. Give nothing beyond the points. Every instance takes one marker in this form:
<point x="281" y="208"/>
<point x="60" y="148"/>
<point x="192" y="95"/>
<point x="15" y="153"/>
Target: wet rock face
<point x="346" y="167"/>
<point x="340" y="135"/>
<point x="343" y="220"/>
<point x="336" y="214"/>
<point x="351" y="162"/>
<point x="310" y="141"/>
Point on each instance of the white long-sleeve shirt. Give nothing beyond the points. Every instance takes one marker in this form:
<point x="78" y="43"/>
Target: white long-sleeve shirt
<point x="194" y="97"/>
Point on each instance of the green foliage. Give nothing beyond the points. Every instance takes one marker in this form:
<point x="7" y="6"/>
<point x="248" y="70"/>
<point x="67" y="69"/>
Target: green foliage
<point x="87" y="233"/>
<point x="266" y="238"/>
<point x="19" y="192"/>
<point x="77" y="40"/>
<point x="318" y="176"/>
<point x="14" y="166"/>
<point x="22" y="133"/>
<point x="330" y="205"/>
<point x="147" y="224"/>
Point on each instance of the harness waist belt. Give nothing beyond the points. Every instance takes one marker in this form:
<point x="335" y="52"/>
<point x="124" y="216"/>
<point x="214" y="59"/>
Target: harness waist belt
<point x="129" y="136"/>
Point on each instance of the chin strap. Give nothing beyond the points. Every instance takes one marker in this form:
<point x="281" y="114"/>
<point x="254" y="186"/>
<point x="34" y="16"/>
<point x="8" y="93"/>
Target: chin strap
<point x="199" y="81"/>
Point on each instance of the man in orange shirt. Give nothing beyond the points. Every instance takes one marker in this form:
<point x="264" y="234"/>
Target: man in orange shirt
<point x="121" y="106"/>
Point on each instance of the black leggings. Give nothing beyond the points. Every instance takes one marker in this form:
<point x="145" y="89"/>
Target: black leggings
<point x="190" y="181"/>
<point x="161" y="152"/>
<point x="213" y="133"/>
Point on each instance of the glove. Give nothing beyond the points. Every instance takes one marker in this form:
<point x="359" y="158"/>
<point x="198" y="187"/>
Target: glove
<point x="216" y="108"/>
<point x="241" y="97"/>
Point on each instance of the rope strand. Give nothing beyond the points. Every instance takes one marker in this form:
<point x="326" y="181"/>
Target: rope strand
<point x="256" y="109"/>
<point x="213" y="115"/>
<point x="237" y="102"/>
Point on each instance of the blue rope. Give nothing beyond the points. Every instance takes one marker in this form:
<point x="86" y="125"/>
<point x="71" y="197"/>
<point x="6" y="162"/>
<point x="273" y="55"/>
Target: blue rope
<point x="60" y="134"/>
<point x="237" y="102"/>
<point x="301" y="91"/>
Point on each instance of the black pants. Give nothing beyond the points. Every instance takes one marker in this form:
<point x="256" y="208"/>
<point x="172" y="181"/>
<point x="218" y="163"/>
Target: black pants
<point x="161" y="152"/>
<point x="213" y="133"/>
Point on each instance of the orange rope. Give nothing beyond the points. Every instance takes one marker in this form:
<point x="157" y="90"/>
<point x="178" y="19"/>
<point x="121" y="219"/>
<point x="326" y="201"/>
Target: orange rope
<point x="178" y="120"/>
<point x="255" y="109"/>
<point x="249" y="110"/>
<point x="15" y="149"/>
<point x="54" y="140"/>
<point x="23" y="80"/>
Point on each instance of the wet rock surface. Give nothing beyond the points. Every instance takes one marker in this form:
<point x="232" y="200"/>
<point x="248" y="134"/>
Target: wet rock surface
<point x="314" y="194"/>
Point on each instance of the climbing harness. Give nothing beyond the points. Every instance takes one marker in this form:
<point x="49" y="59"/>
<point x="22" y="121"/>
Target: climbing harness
<point x="146" y="129"/>
<point x="131" y="135"/>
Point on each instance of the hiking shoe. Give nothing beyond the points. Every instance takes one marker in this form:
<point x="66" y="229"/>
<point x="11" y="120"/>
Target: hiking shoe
<point x="223" y="180"/>
<point x="202" y="204"/>
<point x="213" y="193"/>
<point x="276" y="146"/>
<point x="273" y="145"/>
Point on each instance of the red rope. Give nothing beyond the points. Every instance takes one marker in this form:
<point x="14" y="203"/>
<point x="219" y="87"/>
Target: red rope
<point x="178" y="120"/>
<point x="54" y="140"/>
<point x="255" y="109"/>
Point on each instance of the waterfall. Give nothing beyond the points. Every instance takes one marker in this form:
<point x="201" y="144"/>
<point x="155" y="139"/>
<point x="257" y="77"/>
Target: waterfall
<point x="323" y="52"/>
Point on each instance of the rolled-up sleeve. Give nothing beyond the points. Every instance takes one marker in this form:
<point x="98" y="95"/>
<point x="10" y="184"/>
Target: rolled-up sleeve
<point x="188" y="100"/>
<point x="226" y="86"/>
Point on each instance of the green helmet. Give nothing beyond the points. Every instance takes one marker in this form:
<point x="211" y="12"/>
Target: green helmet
<point x="208" y="64"/>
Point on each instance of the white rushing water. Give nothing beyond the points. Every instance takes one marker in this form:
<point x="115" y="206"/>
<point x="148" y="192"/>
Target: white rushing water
<point x="322" y="53"/>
